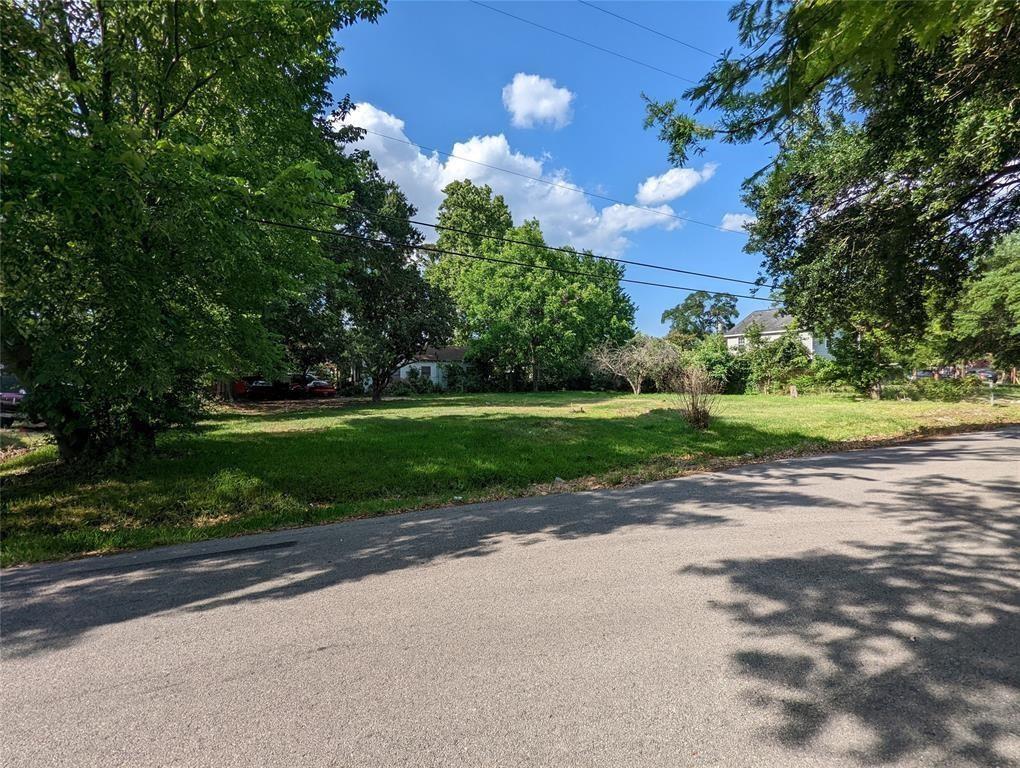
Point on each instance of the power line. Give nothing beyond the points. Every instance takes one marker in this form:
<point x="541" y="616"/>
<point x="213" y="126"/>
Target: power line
<point x="445" y="251"/>
<point x="540" y="180"/>
<point x="568" y="250"/>
<point x="585" y="42"/>
<point x="649" y="29"/>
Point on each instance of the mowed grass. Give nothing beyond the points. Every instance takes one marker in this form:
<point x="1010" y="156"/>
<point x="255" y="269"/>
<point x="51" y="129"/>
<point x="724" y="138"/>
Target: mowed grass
<point x="255" y="469"/>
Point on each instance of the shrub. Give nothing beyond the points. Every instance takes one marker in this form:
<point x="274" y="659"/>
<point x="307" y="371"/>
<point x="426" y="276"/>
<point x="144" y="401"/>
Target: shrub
<point x="456" y="378"/>
<point x="697" y="394"/>
<point x="637" y="360"/>
<point x="822" y="376"/>
<point x="351" y="389"/>
<point x="400" y="389"/>
<point x="420" y="385"/>
<point x="712" y="354"/>
<point x="946" y="390"/>
<point x="773" y="364"/>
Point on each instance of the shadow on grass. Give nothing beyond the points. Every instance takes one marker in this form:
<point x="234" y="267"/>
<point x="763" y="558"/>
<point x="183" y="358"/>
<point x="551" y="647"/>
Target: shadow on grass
<point x="394" y="462"/>
<point x="283" y="410"/>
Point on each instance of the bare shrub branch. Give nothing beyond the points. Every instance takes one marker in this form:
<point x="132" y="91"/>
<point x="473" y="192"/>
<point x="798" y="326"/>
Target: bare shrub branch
<point x="642" y="357"/>
<point x="697" y="395"/>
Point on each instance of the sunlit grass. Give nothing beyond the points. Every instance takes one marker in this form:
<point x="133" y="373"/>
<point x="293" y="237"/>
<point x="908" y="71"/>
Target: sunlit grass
<point x="256" y="469"/>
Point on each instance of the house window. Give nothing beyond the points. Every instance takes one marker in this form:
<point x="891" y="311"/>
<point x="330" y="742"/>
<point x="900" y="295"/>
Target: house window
<point x="425" y="371"/>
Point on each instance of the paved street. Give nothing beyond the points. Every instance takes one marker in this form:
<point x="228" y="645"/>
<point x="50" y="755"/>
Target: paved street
<point x="847" y="610"/>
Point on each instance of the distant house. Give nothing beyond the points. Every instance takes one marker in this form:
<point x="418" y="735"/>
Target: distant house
<point x="433" y="364"/>
<point x="773" y="323"/>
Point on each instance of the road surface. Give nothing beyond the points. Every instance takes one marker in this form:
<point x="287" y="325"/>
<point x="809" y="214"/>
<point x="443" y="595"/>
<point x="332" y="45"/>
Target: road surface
<point x="846" y="610"/>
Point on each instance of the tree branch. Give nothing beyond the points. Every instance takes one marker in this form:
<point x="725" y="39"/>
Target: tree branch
<point x="70" y="58"/>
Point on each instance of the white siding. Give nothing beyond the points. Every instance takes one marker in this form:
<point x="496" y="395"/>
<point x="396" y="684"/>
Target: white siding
<point x="815" y="347"/>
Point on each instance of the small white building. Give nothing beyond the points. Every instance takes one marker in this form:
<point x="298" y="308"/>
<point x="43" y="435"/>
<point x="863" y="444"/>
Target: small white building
<point x="433" y="364"/>
<point x="773" y="323"/>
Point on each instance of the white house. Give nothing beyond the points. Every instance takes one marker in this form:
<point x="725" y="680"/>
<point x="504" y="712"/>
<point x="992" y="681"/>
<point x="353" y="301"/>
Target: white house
<point x="773" y="323"/>
<point x="433" y="364"/>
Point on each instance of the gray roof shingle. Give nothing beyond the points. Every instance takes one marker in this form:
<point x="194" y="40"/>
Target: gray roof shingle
<point x="769" y="320"/>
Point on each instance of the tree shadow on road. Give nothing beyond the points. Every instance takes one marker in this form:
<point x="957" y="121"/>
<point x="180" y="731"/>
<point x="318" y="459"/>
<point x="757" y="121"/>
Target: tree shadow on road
<point x="914" y="645"/>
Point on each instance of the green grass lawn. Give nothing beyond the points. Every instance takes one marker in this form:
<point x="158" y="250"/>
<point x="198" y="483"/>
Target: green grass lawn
<point x="296" y="464"/>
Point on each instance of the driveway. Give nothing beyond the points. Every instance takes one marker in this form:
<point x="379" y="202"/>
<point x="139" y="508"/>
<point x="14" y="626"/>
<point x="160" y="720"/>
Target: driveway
<point x="847" y="610"/>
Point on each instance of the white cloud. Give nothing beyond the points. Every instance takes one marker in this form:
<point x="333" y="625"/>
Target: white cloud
<point x="674" y="183"/>
<point x="567" y="216"/>
<point x="532" y="100"/>
<point x="735" y="222"/>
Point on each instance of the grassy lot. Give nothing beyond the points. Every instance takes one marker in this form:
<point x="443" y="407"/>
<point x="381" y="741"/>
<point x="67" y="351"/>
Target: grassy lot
<point x="295" y="464"/>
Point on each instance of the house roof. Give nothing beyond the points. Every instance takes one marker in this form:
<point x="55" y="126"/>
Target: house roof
<point x="441" y="355"/>
<point x="769" y="320"/>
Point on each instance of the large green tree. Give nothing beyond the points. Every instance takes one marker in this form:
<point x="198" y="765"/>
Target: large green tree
<point x="316" y="324"/>
<point x="392" y="313"/>
<point x="988" y="318"/>
<point x="470" y="216"/>
<point x="397" y="314"/>
<point x="533" y="314"/>
<point x="141" y="140"/>
<point x="699" y="314"/>
<point x="898" y="133"/>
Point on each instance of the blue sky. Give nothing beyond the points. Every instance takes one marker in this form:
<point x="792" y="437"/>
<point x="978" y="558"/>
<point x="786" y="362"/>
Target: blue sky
<point x="468" y="81"/>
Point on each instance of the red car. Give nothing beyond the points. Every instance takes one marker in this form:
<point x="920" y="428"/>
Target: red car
<point x="310" y="386"/>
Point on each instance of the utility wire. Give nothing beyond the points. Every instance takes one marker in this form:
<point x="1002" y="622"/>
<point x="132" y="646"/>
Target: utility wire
<point x="649" y="29"/>
<point x="492" y="259"/>
<point x="540" y="180"/>
<point x="512" y="241"/>
<point x="585" y="42"/>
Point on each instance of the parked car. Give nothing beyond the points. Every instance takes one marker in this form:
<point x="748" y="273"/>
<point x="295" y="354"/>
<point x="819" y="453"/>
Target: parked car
<point x="924" y="374"/>
<point x="985" y="374"/>
<point x="12" y="394"/>
<point x="298" y="385"/>
<point x="320" y="388"/>
<point x="254" y="388"/>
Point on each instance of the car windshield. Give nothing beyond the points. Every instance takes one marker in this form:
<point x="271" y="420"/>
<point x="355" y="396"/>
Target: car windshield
<point x="9" y="382"/>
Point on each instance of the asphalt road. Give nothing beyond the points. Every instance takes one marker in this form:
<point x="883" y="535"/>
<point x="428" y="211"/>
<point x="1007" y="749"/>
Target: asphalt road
<point x="847" y="610"/>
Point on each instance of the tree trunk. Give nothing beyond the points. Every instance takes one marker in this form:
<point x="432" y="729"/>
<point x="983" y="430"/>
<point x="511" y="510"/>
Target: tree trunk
<point x="73" y="444"/>
<point x="377" y="390"/>
<point x="536" y="370"/>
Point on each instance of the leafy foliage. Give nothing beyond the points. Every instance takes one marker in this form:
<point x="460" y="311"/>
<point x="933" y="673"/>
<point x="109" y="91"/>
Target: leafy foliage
<point x="863" y="359"/>
<point x="712" y="354"/>
<point x="773" y="363"/>
<point x="149" y="136"/>
<point x="397" y="314"/>
<point x="945" y="390"/>
<point x="988" y="318"/>
<point x="898" y="127"/>
<point x="698" y="315"/>
<point x="523" y="324"/>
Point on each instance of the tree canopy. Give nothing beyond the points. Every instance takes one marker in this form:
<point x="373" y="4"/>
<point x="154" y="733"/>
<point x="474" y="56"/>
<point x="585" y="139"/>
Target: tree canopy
<point x="533" y="320"/>
<point x="988" y="318"/>
<point x="698" y="315"/>
<point x="142" y="141"/>
<point x="897" y="127"/>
